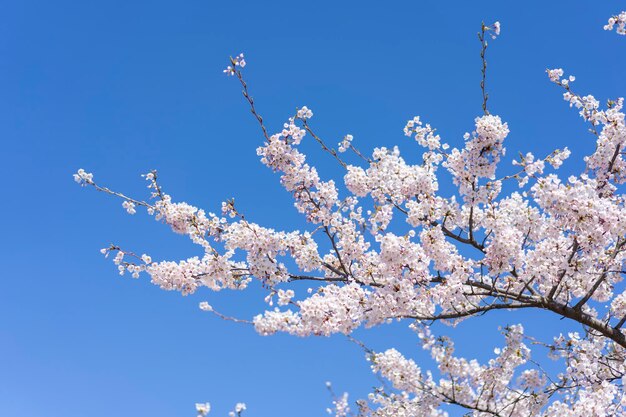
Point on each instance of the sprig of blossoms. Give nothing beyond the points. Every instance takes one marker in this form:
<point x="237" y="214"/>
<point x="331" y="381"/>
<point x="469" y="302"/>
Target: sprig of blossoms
<point x="479" y="158"/>
<point x="618" y="22"/>
<point x="304" y="113"/>
<point x="555" y="74"/>
<point x="83" y="178"/>
<point x="532" y="167"/>
<point x="237" y="61"/>
<point x="203" y="409"/>
<point x="129" y="206"/>
<point x="588" y="105"/>
<point x="345" y="144"/>
<point x="607" y="161"/>
<point x="284" y="297"/>
<point x="424" y="134"/>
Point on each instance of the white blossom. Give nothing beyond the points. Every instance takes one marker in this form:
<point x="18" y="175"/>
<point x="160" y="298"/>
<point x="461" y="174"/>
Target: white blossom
<point x="203" y="409"/>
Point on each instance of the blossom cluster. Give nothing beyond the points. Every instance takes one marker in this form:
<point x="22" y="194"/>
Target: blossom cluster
<point x="83" y="178"/>
<point x="618" y="22"/>
<point x="345" y="144"/>
<point x="237" y="61"/>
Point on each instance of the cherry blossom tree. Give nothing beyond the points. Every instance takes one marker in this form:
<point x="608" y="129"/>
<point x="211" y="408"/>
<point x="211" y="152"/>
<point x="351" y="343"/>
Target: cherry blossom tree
<point x="552" y="244"/>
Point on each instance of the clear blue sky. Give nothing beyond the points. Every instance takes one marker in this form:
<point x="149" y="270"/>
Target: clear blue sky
<point x="122" y="87"/>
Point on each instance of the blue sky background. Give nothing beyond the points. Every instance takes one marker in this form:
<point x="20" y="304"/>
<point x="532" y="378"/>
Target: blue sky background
<point x="119" y="88"/>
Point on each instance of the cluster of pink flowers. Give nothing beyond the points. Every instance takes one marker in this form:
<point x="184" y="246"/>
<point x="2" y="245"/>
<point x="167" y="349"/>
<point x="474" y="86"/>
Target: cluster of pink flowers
<point x="556" y="245"/>
<point x="235" y="62"/>
<point x="344" y="145"/>
<point x="618" y="22"/>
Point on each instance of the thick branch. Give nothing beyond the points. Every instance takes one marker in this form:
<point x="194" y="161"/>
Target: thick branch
<point x="473" y="311"/>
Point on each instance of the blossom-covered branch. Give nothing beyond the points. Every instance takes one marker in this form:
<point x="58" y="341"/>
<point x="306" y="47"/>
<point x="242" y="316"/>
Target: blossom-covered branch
<point x="556" y="245"/>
